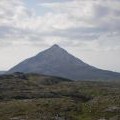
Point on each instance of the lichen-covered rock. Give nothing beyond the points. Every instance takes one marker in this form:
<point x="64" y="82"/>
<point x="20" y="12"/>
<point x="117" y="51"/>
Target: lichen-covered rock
<point x="113" y="109"/>
<point x="115" y="118"/>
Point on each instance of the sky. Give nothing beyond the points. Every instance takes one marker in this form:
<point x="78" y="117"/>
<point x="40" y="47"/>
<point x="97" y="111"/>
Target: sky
<point x="88" y="29"/>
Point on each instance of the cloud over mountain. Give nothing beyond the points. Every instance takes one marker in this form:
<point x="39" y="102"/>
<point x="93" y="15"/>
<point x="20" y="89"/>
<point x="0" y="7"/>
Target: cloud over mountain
<point x="76" y="20"/>
<point x="89" y="24"/>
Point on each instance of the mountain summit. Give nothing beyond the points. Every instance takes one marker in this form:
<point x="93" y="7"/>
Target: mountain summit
<point x="56" y="61"/>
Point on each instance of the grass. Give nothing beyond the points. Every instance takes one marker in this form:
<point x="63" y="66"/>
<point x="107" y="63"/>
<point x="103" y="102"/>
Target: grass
<point x="47" y="98"/>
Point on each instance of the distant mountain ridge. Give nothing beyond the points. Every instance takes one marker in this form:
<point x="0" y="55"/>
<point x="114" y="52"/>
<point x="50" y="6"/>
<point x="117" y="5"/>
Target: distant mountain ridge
<point x="2" y="72"/>
<point x="56" y="61"/>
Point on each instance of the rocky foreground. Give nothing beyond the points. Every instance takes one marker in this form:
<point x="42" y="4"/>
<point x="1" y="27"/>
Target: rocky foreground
<point x="39" y="97"/>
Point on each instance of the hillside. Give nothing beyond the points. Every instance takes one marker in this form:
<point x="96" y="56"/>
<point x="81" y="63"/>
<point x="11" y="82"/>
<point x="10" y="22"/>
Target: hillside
<point x="12" y="85"/>
<point x="2" y="72"/>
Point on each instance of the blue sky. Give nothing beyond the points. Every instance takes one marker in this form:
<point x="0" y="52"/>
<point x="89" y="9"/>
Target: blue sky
<point x="89" y="29"/>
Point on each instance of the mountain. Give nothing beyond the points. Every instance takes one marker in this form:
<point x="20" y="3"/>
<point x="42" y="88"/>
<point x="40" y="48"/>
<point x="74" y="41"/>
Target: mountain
<point x="56" y="61"/>
<point x="2" y="72"/>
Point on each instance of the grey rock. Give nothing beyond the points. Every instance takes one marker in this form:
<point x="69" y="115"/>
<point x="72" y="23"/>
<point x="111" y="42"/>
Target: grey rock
<point x="113" y="109"/>
<point x="117" y="117"/>
<point x="102" y="119"/>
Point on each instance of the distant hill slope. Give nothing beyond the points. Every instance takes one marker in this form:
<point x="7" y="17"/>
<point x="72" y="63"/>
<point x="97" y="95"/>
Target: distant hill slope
<point x="2" y="72"/>
<point x="56" y="61"/>
<point x="34" y="78"/>
<point x="24" y="86"/>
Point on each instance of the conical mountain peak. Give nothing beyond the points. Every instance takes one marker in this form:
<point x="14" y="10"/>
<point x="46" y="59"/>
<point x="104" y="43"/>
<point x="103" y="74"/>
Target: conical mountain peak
<point x="54" y="51"/>
<point x="55" y="47"/>
<point x="56" y="61"/>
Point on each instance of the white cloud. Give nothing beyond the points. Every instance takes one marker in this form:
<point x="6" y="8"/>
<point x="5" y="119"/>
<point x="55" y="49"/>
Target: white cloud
<point x="91" y="25"/>
<point x="67" y="15"/>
